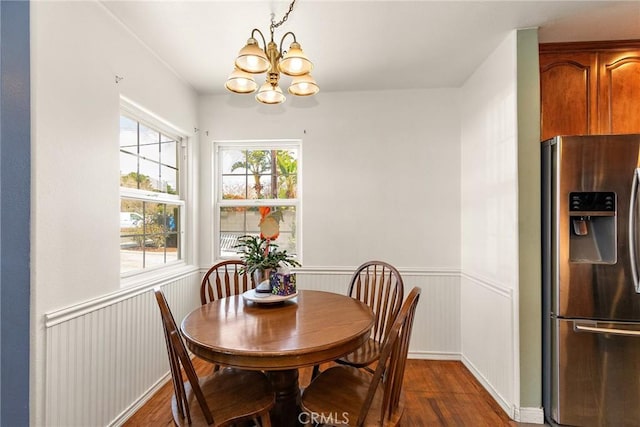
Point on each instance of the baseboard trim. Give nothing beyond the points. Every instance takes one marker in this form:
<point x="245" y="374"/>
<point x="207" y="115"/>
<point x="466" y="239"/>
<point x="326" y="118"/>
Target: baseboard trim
<point x="507" y="407"/>
<point x="431" y="355"/>
<point x="139" y="403"/>
<point x="529" y="415"/>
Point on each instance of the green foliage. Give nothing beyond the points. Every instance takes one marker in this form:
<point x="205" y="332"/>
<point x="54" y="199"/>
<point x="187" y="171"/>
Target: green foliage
<point x="257" y="163"/>
<point x="171" y="190"/>
<point x="257" y="257"/>
<point x="287" y="180"/>
<point x="136" y="180"/>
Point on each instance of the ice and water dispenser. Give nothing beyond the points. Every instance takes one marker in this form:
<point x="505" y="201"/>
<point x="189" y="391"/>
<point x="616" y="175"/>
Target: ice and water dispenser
<point x="592" y="226"/>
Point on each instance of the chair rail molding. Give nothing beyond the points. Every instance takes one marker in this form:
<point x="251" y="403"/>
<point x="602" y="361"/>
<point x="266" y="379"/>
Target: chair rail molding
<point x="65" y="314"/>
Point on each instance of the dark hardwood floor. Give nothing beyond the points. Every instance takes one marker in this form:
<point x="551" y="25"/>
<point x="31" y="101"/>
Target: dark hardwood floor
<point x="438" y="393"/>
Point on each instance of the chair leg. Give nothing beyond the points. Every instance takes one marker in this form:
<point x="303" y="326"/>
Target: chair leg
<point x="315" y="372"/>
<point x="265" y="420"/>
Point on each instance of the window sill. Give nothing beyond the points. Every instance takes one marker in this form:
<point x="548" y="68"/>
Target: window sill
<point x="146" y="279"/>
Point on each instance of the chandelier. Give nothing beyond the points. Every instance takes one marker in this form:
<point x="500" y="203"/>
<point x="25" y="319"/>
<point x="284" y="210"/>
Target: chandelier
<point x="253" y="59"/>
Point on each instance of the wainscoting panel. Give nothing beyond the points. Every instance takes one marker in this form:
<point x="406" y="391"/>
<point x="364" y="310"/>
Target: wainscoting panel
<point x="436" y="334"/>
<point x="105" y="358"/>
<point x="489" y="338"/>
<point x="101" y="361"/>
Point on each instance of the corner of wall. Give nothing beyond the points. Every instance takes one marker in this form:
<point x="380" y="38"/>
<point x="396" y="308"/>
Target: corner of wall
<point x="529" y="288"/>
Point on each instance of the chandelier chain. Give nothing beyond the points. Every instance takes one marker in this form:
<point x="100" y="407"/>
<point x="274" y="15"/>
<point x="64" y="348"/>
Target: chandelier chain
<point x="275" y="25"/>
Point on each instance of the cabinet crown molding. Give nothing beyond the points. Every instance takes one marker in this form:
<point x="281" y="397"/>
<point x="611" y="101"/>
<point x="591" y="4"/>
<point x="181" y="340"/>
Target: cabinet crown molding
<point x="590" y="46"/>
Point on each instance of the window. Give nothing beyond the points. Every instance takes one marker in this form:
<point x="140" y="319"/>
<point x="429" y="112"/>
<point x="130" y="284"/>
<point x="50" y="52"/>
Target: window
<point x="150" y="204"/>
<point x="253" y="180"/>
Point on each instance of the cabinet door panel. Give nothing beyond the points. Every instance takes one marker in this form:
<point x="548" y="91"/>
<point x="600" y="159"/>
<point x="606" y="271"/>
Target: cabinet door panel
<point x="567" y="89"/>
<point x="619" y="92"/>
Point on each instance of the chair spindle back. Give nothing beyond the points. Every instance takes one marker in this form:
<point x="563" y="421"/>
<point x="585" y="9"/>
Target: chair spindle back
<point x="380" y="286"/>
<point x="224" y="279"/>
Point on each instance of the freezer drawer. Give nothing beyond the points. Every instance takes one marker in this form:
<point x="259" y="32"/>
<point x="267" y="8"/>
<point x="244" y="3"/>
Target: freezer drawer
<point x="595" y="373"/>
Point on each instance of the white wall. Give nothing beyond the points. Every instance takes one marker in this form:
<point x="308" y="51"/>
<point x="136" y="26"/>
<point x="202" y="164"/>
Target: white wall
<point x="77" y="51"/>
<point x="379" y="169"/>
<point x="489" y="289"/>
<point x="380" y="180"/>
<point x="381" y="173"/>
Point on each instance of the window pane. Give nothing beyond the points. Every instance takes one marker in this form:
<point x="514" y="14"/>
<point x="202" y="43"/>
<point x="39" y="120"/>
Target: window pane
<point x="149" y="141"/>
<point x="240" y="221"/>
<point x="149" y="234"/>
<point x="128" y="135"/>
<point x="233" y="161"/>
<point x="131" y="235"/>
<point x="287" y="174"/>
<point x="149" y="175"/>
<point x="259" y="187"/>
<point x="168" y="152"/>
<point x="128" y="170"/>
<point x="234" y="187"/>
<point x="155" y="253"/>
<point x="234" y="219"/>
<point x="168" y="180"/>
<point x="130" y="259"/>
<point x="150" y="152"/>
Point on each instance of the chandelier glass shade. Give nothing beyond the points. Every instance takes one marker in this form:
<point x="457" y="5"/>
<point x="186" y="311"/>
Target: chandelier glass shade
<point x="241" y="82"/>
<point x="303" y="85"/>
<point x="253" y="59"/>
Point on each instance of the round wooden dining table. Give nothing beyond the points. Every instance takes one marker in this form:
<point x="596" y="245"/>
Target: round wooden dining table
<point x="312" y="328"/>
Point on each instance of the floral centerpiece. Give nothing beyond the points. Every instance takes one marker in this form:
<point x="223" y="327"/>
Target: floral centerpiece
<point x="268" y="265"/>
<point x="264" y="259"/>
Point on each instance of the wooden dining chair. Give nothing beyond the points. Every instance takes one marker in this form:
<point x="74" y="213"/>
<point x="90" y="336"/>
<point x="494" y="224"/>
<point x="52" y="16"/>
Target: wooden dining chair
<point x="225" y="397"/>
<point x="356" y="398"/>
<point x="224" y="279"/>
<point x="379" y="285"/>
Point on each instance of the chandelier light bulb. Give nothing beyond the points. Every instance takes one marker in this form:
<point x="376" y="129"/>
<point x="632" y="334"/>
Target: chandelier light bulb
<point x="295" y="64"/>
<point x="253" y="62"/>
<point x="269" y="94"/>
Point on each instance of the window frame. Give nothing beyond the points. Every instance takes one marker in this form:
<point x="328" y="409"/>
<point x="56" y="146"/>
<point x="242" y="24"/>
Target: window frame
<point x="144" y="117"/>
<point x="219" y="202"/>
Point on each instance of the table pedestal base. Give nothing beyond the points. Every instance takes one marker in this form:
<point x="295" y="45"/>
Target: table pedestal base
<point x="287" y="390"/>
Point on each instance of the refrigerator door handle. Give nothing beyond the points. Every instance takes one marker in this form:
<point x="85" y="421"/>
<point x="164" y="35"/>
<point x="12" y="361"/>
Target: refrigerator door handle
<point x="632" y="229"/>
<point x="612" y="331"/>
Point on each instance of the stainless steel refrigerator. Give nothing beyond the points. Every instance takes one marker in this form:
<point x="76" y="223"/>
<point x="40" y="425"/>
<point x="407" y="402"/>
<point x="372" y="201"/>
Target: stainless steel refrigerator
<point x="591" y="285"/>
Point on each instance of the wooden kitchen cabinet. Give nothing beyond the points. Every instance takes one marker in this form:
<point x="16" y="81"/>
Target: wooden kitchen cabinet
<point x="589" y="88"/>
<point x="619" y="92"/>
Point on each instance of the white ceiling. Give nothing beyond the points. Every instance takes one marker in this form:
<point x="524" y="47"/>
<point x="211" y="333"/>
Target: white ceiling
<point x="364" y="45"/>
